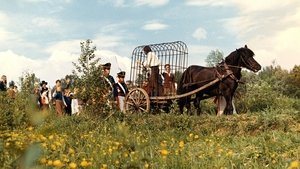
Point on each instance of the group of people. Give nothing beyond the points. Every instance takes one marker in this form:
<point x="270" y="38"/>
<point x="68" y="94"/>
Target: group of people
<point x="118" y="89"/>
<point x="153" y="84"/>
<point x="62" y="98"/>
<point x="12" y="89"/>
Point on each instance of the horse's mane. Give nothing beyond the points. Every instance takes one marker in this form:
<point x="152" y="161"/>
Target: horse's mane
<point x="236" y="54"/>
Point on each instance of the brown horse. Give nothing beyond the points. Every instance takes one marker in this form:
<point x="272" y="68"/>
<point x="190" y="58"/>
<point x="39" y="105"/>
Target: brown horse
<point x="229" y="73"/>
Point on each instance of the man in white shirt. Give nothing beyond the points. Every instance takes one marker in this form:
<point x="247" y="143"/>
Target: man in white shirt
<point x="153" y="62"/>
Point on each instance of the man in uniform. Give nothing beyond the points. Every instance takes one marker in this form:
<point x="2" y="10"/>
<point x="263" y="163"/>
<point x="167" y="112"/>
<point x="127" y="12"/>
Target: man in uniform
<point x="120" y="91"/>
<point x="108" y="79"/>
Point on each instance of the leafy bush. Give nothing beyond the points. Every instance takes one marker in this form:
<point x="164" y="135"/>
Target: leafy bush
<point x="88" y="83"/>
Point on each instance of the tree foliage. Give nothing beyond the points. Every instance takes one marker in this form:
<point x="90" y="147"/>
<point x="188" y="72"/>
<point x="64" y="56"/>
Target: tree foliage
<point x="214" y="57"/>
<point x="28" y="82"/>
<point x="293" y="82"/>
<point x="87" y="76"/>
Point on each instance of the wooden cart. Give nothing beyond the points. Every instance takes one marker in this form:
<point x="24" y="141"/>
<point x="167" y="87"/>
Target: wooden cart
<point x="173" y="53"/>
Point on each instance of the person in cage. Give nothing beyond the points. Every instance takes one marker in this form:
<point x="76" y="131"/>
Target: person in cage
<point x="120" y="91"/>
<point x="168" y="81"/>
<point x="153" y="62"/>
<point x="145" y="86"/>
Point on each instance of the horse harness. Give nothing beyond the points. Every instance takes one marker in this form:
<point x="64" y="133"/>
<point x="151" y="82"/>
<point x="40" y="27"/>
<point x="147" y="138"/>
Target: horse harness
<point x="219" y="75"/>
<point x="228" y="72"/>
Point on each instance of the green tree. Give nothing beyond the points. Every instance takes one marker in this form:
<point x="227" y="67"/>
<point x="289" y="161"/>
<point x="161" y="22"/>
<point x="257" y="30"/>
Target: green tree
<point x="276" y="78"/>
<point x="86" y="77"/>
<point x="293" y="82"/>
<point x="214" y="57"/>
<point x="28" y="82"/>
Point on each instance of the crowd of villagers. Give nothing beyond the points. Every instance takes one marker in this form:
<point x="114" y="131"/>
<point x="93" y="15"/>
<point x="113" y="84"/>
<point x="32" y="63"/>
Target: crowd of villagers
<point x="61" y="98"/>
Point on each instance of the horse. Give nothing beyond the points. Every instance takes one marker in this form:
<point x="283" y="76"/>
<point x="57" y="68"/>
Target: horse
<point x="228" y="72"/>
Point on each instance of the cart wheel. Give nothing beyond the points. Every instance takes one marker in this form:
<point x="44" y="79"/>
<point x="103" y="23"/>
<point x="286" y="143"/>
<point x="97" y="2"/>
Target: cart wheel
<point x="137" y="100"/>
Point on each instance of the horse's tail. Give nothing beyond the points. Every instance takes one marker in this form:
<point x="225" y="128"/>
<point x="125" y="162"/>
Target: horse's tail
<point x="182" y="88"/>
<point x="185" y="78"/>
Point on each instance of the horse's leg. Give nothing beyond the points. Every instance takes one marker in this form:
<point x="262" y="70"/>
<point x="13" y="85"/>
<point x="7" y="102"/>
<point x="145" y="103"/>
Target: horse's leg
<point x="197" y="103"/>
<point x="234" y="110"/>
<point x="181" y="104"/>
<point x="229" y="108"/>
<point x="188" y="104"/>
<point x="221" y="105"/>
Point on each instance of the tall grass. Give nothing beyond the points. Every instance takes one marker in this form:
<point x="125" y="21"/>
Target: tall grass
<point x="258" y="140"/>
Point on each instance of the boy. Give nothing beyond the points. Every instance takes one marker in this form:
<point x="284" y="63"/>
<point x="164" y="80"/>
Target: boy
<point x="121" y="91"/>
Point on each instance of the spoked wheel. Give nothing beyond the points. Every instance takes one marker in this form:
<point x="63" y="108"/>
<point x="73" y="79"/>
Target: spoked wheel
<point x="137" y="100"/>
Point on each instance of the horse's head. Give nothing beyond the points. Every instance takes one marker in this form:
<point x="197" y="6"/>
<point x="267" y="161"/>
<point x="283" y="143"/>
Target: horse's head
<point x="243" y="57"/>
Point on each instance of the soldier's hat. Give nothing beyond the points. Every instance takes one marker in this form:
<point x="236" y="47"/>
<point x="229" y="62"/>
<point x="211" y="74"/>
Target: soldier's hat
<point x="121" y="74"/>
<point x="106" y="66"/>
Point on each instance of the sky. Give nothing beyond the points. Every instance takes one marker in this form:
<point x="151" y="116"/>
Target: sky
<point x="43" y="36"/>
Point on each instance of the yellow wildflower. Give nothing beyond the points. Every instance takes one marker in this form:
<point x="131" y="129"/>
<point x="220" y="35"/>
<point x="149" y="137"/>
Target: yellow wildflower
<point x="53" y="147"/>
<point x="104" y="166"/>
<point x="58" y="163"/>
<point x="294" y="165"/>
<point x="72" y="165"/>
<point x="71" y="151"/>
<point x="50" y="162"/>
<point x="125" y="154"/>
<point x="84" y="163"/>
<point x="164" y="152"/>
<point x="44" y="145"/>
<point x="229" y="153"/>
<point x="196" y="136"/>
<point x="110" y="150"/>
<point x="146" y="165"/>
<point x="43" y="160"/>
<point x="181" y="144"/>
<point x="163" y="143"/>
<point x="50" y="137"/>
<point x="43" y="138"/>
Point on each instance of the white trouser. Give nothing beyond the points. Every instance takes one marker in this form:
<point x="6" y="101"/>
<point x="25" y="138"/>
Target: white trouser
<point x="121" y="103"/>
<point x="74" y="106"/>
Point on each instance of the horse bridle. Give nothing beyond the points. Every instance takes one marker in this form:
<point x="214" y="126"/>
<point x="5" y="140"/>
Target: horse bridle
<point x="246" y="63"/>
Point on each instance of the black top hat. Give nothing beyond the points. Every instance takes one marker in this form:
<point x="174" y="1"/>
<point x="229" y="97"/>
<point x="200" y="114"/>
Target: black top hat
<point x="121" y="74"/>
<point x="106" y="66"/>
<point x="43" y="82"/>
<point x="11" y="84"/>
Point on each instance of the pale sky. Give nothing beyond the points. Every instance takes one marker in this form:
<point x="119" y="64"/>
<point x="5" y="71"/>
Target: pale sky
<point x="43" y="36"/>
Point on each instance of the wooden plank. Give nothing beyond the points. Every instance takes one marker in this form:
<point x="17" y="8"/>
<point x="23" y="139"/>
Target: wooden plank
<point x="185" y="94"/>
